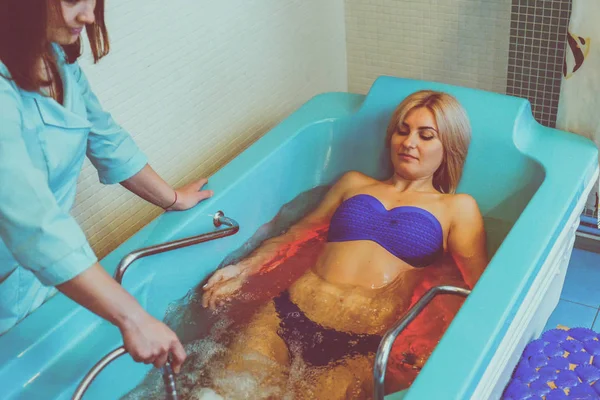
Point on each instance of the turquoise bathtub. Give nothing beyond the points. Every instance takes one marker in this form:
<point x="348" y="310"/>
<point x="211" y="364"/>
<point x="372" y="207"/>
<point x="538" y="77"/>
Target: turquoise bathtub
<point x="530" y="182"/>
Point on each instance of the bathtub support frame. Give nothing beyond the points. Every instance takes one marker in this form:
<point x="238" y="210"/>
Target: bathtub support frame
<point x="385" y="346"/>
<point x="218" y="219"/>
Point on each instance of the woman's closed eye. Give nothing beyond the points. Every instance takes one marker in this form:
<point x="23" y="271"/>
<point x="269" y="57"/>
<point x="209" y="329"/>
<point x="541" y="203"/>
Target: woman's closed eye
<point x="424" y="134"/>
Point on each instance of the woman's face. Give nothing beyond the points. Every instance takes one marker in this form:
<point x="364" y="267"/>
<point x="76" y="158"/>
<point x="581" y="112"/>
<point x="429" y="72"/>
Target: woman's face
<point x="416" y="149"/>
<point x="65" y="29"/>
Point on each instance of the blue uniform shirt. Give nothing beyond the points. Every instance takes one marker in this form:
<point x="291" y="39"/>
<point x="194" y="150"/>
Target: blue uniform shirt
<point x="42" y="149"/>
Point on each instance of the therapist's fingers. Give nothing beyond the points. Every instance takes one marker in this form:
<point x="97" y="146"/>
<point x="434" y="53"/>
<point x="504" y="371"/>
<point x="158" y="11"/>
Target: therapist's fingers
<point x="190" y="195"/>
<point x="197" y="188"/>
<point x="204" y="194"/>
<point x="199" y="184"/>
<point x="161" y="359"/>
<point x="177" y="356"/>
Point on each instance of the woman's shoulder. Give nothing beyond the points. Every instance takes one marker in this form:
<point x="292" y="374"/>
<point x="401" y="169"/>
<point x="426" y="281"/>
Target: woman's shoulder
<point x="351" y="182"/>
<point x="9" y="91"/>
<point x="460" y="199"/>
<point x="354" y="179"/>
<point x="462" y="206"/>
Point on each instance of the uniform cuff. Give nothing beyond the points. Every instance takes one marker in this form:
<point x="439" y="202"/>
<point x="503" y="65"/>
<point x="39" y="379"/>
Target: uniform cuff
<point x="124" y="171"/>
<point x="68" y="267"/>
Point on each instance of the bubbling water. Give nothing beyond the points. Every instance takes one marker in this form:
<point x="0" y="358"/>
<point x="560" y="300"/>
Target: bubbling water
<point x="210" y="338"/>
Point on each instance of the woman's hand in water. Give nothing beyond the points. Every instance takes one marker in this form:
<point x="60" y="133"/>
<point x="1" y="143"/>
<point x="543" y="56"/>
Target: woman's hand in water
<point x="150" y="341"/>
<point x="224" y="283"/>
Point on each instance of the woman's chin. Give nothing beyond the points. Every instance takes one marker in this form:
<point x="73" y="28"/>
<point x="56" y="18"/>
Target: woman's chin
<point x="406" y="174"/>
<point x="65" y="39"/>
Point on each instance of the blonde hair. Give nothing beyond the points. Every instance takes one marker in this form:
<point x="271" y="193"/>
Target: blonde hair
<point x="454" y="133"/>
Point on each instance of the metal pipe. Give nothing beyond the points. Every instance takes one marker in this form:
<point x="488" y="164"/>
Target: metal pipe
<point x="168" y="376"/>
<point x="385" y="347"/>
<point x="218" y="219"/>
<point x="87" y="381"/>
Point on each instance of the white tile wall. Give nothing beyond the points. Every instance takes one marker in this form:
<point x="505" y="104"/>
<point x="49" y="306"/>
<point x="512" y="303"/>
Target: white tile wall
<point x="196" y="82"/>
<point x="462" y="42"/>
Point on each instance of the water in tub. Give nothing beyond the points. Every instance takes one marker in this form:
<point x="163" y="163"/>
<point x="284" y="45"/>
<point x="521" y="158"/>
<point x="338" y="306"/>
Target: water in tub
<point x="237" y="352"/>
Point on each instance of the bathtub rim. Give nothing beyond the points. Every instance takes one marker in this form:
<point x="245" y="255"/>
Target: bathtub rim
<point x="111" y="260"/>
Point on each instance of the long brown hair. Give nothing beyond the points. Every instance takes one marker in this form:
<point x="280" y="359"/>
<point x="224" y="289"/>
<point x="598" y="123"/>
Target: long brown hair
<point x="455" y="133"/>
<point x="23" y="38"/>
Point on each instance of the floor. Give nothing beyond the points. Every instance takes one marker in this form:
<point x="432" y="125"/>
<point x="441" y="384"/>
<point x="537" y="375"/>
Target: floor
<point x="579" y="304"/>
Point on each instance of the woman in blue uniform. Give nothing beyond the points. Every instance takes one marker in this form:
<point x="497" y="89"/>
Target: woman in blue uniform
<point x="49" y="121"/>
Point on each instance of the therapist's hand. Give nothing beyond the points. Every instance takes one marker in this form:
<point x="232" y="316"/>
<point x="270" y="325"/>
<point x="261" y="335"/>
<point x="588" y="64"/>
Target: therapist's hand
<point x="150" y="341"/>
<point x="145" y="338"/>
<point x="190" y="195"/>
<point x="151" y="187"/>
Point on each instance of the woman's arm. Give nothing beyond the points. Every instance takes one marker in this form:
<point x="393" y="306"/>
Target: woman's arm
<point x="117" y="158"/>
<point x="145" y="338"/>
<point x="275" y="251"/>
<point x="148" y="185"/>
<point x="47" y="241"/>
<point x="303" y="230"/>
<point x="467" y="239"/>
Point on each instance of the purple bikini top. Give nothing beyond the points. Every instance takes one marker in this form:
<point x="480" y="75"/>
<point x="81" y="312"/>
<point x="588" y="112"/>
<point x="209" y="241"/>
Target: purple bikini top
<point x="412" y="234"/>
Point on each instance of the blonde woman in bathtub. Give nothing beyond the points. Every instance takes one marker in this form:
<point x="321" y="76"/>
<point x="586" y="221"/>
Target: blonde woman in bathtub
<point x="382" y="236"/>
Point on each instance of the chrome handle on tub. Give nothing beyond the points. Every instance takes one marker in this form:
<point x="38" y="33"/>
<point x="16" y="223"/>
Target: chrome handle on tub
<point x="385" y="347"/>
<point x="168" y="377"/>
<point x="218" y="219"/>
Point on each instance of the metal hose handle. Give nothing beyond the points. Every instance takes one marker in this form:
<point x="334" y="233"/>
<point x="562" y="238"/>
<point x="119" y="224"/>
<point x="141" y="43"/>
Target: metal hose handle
<point x="169" y="381"/>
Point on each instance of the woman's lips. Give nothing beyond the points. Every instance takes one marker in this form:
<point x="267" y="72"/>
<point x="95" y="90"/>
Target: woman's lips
<point x="408" y="157"/>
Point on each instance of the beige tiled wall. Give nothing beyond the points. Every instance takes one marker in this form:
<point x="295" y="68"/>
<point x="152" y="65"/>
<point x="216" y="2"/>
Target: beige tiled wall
<point x="463" y="42"/>
<point x="196" y="82"/>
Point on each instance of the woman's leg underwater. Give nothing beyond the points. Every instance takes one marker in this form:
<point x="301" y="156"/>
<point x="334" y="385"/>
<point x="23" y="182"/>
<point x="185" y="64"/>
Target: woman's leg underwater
<point x="351" y="379"/>
<point x="257" y="363"/>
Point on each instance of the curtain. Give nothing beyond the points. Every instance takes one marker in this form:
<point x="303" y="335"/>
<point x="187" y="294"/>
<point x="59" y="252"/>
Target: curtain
<point x="579" y="103"/>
